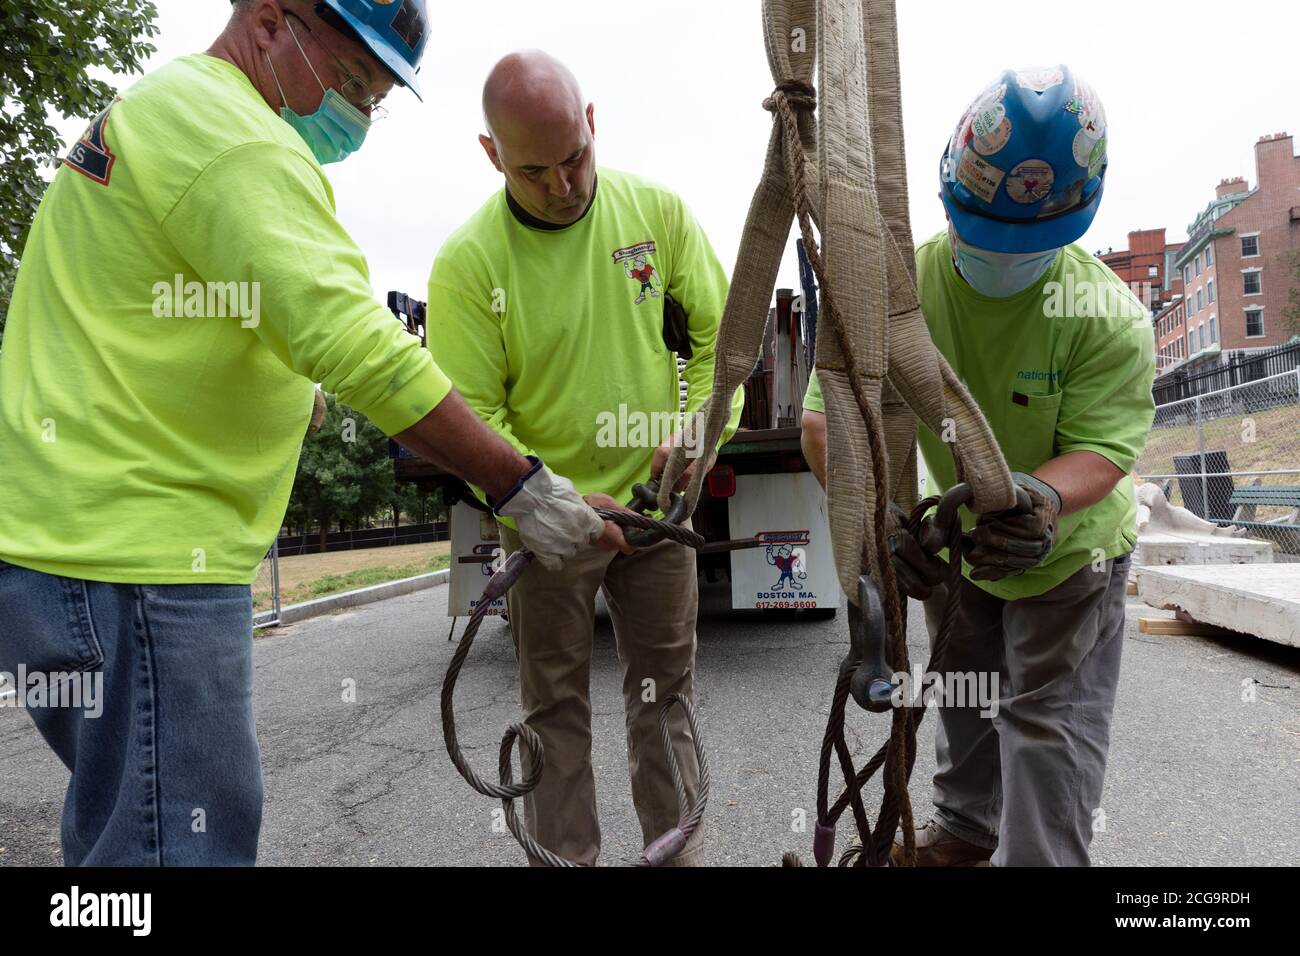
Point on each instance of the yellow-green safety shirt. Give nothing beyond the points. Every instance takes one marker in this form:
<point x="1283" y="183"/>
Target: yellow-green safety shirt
<point x="184" y="284"/>
<point x="555" y="335"/>
<point x="1066" y="365"/>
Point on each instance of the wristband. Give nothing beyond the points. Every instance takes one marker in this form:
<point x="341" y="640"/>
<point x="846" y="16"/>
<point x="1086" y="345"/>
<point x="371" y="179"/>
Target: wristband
<point x="515" y="488"/>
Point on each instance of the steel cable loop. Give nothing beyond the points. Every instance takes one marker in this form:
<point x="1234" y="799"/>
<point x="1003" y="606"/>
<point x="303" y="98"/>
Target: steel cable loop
<point x="532" y="753"/>
<point x="834" y="741"/>
<point x="669" y="844"/>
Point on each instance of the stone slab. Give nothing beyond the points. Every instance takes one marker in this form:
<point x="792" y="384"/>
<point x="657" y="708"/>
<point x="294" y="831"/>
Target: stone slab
<point x="1165" y="547"/>
<point x="1258" y="599"/>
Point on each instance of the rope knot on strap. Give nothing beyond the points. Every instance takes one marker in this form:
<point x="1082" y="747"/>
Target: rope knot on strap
<point x="796" y="93"/>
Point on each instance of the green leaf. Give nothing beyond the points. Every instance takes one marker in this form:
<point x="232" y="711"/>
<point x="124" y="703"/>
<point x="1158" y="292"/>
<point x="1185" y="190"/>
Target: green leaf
<point x="46" y="49"/>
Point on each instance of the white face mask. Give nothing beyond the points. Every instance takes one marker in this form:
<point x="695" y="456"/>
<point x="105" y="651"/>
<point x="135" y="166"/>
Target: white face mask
<point x="999" y="274"/>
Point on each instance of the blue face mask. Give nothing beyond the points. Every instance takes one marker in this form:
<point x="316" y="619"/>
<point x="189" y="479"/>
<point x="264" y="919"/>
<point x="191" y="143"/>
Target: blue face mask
<point x="999" y="275"/>
<point x="336" y="130"/>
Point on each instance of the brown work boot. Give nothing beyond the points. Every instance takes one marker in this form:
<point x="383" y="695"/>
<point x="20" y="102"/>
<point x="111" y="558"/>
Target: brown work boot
<point x="935" y="846"/>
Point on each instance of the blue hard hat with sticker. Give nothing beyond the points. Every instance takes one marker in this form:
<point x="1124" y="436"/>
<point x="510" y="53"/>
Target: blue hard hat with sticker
<point x="1025" y="168"/>
<point x="395" y="31"/>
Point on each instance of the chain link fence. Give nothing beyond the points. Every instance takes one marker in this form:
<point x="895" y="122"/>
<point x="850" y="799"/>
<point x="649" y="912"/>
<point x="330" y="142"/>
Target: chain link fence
<point x="1232" y="456"/>
<point x="266" y="590"/>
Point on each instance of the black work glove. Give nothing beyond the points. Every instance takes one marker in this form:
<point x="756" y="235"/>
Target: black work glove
<point x="1011" y="542"/>
<point x="918" y="571"/>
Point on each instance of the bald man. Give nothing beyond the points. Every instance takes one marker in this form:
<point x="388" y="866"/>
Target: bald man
<point x="556" y="310"/>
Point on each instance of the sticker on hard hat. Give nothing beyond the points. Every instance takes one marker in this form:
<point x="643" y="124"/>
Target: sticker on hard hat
<point x="1031" y="181"/>
<point x="1098" y="158"/>
<point x="993" y="93"/>
<point x="991" y="129"/>
<point x="409" y="25"/>
<point x="1040" y="81"/>
<point x="1087" y="107"/>
<point x="1083" y="147"/>
<point x="962" y="137"/>
<point x="980" y="177"/>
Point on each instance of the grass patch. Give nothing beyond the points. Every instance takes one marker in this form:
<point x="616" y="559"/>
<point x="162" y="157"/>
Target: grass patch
<point x="1273" y="447"/>
<point x="305" y="577"/>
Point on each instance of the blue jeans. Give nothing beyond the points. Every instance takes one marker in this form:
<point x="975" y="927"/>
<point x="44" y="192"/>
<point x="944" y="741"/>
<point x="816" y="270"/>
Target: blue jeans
<point x="169" y="774"/>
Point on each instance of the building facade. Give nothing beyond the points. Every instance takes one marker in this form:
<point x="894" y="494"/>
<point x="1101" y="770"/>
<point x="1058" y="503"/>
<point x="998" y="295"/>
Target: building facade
<point x="1171" y="334"/>
<point x="1147" y="267"/>
<point x="1238" y="267"/>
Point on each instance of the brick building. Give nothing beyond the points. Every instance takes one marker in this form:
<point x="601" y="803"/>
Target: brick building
<point x="1171" y="337"/>
<point x="1237" y="266"/>
<point x="1147" y="266"/>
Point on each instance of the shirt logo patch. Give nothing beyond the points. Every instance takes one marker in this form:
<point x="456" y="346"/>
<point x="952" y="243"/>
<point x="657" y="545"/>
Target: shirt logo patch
<point x="638" y="267"/>
<point x="90" y="155"/>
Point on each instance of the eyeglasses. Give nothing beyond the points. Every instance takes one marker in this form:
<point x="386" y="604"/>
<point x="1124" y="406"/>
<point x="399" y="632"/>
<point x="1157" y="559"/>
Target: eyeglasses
<point x="354" y="89"/>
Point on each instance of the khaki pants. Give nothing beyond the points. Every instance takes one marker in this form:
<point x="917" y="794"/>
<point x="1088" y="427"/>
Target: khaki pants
<point x="653" y="600"/>
<point x="1028" y="782"/>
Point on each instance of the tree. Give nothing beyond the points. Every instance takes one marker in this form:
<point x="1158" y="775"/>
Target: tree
<point x="420" y="507"/>
<point x="344" y="472"/>
<point x="47" y="48"/>
<point x="1292" y="308"/>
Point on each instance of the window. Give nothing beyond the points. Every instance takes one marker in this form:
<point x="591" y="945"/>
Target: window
<point x="1251" y="282"/>
<point x="1209" y="258"/>
<point x="1198" y="265"/>
<point x="1200" y="300"/>
<point x="1214" y="330"/>
<point x="1191" y="349"/>
<point x="1209" y="292"/>
<point x="1153" y="272"/>
<point x="1254" y="323"/>
<point x="1187" y="275"/>
<point x="1249" y="246"/>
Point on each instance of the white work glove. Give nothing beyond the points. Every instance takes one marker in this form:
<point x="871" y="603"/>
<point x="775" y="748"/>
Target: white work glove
<point x="553" y="520"/>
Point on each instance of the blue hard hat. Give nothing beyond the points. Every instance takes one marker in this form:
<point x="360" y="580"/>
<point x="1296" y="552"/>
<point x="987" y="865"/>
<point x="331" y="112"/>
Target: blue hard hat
<point x="1025" y="168"/>
<point x="395" y="31"/>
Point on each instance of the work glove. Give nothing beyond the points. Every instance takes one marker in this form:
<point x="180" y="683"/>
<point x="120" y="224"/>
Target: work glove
<point x="1011" y="542"/>
<point x="918" y="571"/>
<point x="553" y="520"/>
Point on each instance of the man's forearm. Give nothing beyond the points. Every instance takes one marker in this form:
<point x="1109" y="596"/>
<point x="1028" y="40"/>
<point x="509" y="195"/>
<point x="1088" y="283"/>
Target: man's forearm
<point x="457" y="441"/>
<point x="812" y="440"/>
<point x="1081" y="478"/>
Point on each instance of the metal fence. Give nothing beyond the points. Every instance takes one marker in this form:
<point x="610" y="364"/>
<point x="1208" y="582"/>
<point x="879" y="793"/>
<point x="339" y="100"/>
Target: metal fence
<point x="1242" y="368"/>
<point x="266" y="590"/>
<point x="1232" y="456"/>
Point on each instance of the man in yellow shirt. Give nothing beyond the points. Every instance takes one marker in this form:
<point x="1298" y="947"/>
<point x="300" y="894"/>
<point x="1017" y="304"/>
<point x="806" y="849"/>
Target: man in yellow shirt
<point x="184" y="284"/>
<point x="1059" y="354"/>
<point x="551" y="310"/>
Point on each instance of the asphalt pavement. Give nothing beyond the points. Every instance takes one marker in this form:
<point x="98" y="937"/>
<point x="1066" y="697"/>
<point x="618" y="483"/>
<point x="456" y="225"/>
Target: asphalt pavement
<point x="1199" y="772"/>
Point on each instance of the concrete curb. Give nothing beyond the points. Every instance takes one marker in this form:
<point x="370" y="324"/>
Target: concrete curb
<point x="296" y="613"/>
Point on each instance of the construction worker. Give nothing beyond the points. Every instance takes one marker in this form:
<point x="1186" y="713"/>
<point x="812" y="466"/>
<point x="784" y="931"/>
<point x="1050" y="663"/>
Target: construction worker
<point x="550" y="310"/>
<point x="1066" y="387"/>
<point x="184" y="284"/>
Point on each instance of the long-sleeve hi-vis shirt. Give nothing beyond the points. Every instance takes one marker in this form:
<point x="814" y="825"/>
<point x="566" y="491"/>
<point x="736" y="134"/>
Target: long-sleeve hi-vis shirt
<point x="555" y="336"/>
<point x="185" y="282"/>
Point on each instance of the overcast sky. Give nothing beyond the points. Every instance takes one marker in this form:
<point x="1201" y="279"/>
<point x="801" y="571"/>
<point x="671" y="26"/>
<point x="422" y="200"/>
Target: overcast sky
<point x="677" y="86"/>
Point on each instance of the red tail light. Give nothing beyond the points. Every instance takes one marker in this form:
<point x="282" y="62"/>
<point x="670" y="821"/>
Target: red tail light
<point x="722" y="481"/>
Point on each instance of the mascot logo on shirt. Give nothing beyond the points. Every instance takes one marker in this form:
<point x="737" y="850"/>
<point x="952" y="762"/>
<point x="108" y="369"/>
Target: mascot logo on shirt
<point x="637" y="267"/>
<point x="90" y="155"/>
